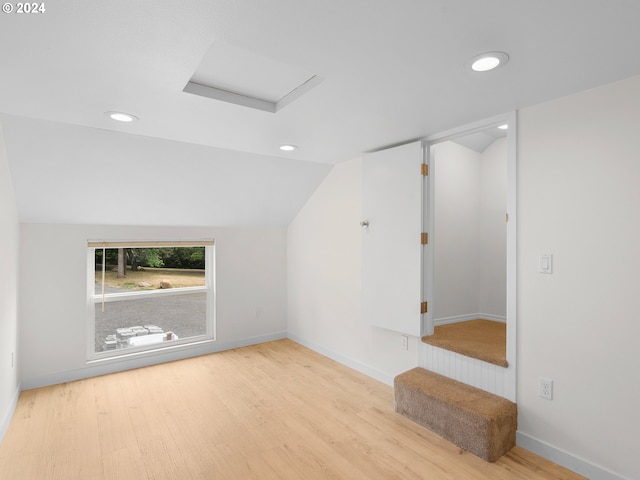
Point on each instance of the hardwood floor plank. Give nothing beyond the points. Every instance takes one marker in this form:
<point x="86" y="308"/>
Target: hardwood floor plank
<point x="271" y="411"/>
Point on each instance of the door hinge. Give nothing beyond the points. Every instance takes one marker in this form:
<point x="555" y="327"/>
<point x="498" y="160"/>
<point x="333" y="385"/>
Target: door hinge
<point x="424" y="238"/>
<point x="425" y="169"/>
<point x="423" y="308"/>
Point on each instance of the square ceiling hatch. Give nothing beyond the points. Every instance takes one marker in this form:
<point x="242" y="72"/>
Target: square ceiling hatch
<point x="243" y="77"/>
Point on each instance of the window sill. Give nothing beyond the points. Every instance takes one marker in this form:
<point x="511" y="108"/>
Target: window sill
<point x="147" y="352"/>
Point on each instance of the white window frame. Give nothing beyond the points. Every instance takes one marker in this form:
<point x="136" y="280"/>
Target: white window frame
<point x="96" y="298"/>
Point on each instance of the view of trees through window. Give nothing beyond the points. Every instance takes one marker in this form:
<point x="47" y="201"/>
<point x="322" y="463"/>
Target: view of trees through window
<point x="124" y="260"/>
<point x="151" y="296"/>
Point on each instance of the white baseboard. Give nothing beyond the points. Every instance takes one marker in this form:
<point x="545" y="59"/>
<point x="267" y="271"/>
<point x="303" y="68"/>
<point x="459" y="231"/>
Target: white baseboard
<point x="567" y="460"/>
<point x="573" y="463"/>
<point x="6" y="420"/>
<point x="470" y="316"/>
<point x="96" y="369"/>
<point x="349" y="362"/>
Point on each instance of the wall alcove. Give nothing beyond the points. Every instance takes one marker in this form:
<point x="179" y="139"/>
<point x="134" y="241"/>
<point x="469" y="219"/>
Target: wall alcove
<point x="470" y="263"/>
<point x="398" y="207"/>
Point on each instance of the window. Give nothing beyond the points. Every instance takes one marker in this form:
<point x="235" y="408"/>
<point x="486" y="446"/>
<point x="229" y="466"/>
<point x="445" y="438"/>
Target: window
<point x="146" y="296"/>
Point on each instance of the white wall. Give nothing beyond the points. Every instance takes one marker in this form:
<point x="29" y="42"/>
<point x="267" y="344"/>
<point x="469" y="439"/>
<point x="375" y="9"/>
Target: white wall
<point x="250" y="283"/>
<point x="9" y="231"/>
<point x="578" y="198"/>
<point x="492" y="288"/>
<point x="578" y="194"/>
<point x="456" y="173"/>
<point x="324" y="248"/>
<point x="470" y="231"/>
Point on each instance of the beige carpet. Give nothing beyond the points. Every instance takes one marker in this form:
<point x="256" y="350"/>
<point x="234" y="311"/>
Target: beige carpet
<point x="479" y="422"/>
<point x="482" y="339"/>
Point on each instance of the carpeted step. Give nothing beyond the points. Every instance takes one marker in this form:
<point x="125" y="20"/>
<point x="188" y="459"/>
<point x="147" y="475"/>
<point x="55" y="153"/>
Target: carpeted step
<point x="475" y="420"/>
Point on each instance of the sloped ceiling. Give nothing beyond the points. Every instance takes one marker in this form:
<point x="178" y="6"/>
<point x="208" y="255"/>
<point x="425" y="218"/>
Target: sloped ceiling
<point x="392" y="72"/>
<point x="73" y="174"/>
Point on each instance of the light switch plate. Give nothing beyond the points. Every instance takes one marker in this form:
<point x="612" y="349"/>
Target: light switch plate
<point x="546" y="263"/>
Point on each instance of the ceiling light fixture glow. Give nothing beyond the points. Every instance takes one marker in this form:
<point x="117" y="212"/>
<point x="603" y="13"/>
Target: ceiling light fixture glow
<point x="503" y="127"/>
<point x="121" y="116"/>
<point x="288" y="148"/>
<point x="488" y="61"/>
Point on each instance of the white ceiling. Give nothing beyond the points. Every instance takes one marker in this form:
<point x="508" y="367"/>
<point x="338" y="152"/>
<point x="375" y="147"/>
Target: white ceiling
<point x="479" y="141"/>
<point x="71" y="174"/>
<point x="392" y="72"/>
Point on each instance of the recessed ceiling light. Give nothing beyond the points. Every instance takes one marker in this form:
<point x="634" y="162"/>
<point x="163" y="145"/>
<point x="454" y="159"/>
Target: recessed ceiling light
<point x="503" y="127"/>
<point x="288" y="148"/>
<point x="488" y="61"/>
<point x="121" y="116"/>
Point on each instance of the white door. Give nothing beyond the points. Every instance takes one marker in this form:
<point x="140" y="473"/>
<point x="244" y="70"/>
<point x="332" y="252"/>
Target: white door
<point x="392" y="257"/>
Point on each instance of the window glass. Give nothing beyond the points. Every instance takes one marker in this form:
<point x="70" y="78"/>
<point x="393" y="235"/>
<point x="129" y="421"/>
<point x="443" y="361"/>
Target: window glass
<point x="146" y="297"/>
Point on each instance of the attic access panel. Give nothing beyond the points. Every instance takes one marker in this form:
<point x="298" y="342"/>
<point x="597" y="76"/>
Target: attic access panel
<point x="243" y="77"/>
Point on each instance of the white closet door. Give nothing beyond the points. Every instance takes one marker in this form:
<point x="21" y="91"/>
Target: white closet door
<point x="392" y="253"/>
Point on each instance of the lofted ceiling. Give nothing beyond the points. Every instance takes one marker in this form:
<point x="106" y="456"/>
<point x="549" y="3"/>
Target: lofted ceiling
<point x="387" y="72"/>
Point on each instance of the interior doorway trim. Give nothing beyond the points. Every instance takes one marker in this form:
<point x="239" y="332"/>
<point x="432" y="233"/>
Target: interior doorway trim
<point x="429" y="196"/>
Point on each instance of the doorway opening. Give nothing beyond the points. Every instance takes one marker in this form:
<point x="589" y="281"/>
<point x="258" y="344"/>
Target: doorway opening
<point x="469" y="274"/>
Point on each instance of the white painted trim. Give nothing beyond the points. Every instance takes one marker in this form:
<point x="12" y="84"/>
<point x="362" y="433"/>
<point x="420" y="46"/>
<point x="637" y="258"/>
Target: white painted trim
<point x="249" y="101"/>
<point x="565" y="459"/>
<point x="471" y="371"/>
<point x="94" y="370"/>
<point x="229" y="97"/>
<point x="93" y="300"/>
<point x="139" y="352"/>
<point x="96" y="298"/>
<point x="469" y="129"/>
<point x="427" y="257"/>
<point x="429" y="321"/>
<point x="6" y="419"/>
<point x="470" y="316"/>
<point x="298" y="91"/>
<point x="512" y="243"/>
<point x="346" y="361"/>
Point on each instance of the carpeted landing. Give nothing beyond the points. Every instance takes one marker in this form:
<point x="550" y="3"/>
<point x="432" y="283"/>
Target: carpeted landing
<point x="482" y="339"/>
<point x="477" y="421"/>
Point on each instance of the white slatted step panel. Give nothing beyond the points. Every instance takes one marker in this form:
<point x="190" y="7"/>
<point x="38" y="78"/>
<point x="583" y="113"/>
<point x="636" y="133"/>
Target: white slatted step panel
<point x="485" y="376"/>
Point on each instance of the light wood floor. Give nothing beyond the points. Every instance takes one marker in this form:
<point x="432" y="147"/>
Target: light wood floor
<point x="271" y="411"/>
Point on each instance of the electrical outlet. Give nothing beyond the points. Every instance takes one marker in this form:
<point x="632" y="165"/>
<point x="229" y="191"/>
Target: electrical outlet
<point x="405" y="342"/>
<point x="546" y="388"/>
